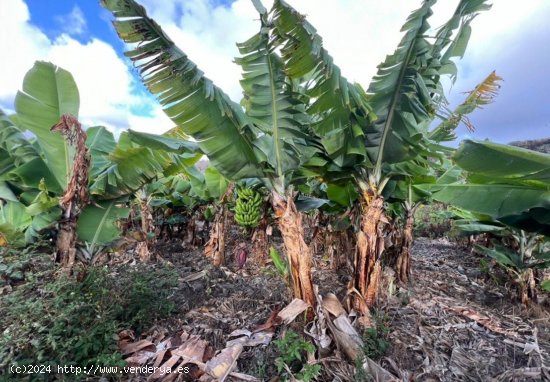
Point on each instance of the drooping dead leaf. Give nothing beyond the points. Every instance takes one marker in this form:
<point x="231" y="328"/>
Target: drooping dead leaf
<point x="159" y="358"/>
<point x="345" y="343"/>
<point x="134" y="347"/>
<point x="192" y="350"/>
<point x="292" y="310"/>
<point x="333" y="305"/>
<point x="270" y="323"/>
<point x="245" y="377"/>
<point x="480" y="318"/>
<point x="343" y="323"/>
<point x="140" y="358"/>
<point x="251" y="339"/>
<point x="221" y="365"/>
<point x="240" y="332"/>
<point x="377" y="372"/>
<point x="164" y="367"/>
<point x="318" y="327"/>
<point x="194" y="276"/>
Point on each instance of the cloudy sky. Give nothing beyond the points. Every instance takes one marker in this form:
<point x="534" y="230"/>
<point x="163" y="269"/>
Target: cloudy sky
<point x="78" y="36"/>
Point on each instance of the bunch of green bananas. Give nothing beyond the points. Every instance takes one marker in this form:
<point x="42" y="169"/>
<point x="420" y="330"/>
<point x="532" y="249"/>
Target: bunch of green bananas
<point x="248" y="207"/>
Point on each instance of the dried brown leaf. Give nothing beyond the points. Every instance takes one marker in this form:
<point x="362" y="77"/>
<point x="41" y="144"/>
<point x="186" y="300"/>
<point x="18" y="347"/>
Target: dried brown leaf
<point x="292" y="310"/>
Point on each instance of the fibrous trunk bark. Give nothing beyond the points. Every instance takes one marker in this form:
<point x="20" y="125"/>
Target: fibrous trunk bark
<point x="145" y="248"/>
<point x="528" y="288"/>
<point x="370" y="246"/>
<point x="299" y="255"/>
<point x="403" y="263"/>
<point x="260" y="243"/>
<point x="215" y="247"/>
<point x="75" y="197"/>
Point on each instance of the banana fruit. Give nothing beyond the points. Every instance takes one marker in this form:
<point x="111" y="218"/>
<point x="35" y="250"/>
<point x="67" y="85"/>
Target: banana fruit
<point x="248" y="207"/>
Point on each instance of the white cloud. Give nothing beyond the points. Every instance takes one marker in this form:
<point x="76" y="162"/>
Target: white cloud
<point x="357" y="33"/>
<point x="158" y="121"/>
<point x="73" y="23"/>
<point x="107" y="88"/>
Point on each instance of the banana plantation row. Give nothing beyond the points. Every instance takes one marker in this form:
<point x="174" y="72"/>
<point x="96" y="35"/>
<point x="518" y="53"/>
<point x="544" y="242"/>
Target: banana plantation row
<point x="303" y="140"/>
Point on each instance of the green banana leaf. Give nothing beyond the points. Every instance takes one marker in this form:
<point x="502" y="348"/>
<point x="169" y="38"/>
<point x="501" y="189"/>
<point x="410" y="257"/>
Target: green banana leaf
<point x="14" y="143"/>
<point x="48" y="92"/>
<point x="503" y="162"/>
<point x="507" y="183"/>
<point x="503" y="256"/>
<point x="407" y="90"/>
<point x="41" y="222"/>
<point x="275" y="109"/>
<point x="97" y="223"/>
<point x="161" y="142"/>
<point x="344" y="195"/>
<point x="215" y="182"/>
<point x="30" y="174"/>
<point x="14" y="220"/>
<point x="100" y="142"/>
<point x="339" y="108"/>
<point x="495" y="200"/>
<point x="6" y="193"/>
<point x="309" y="203"/>
<point x="197" y="107"/>
<point x="127" y="170"/>
<point x="468" y="227"/>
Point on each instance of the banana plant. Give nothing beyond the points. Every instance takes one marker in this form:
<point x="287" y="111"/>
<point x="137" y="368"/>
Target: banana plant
<point x="527" y="253"/>
<point x="506" y="201"/>
<point x="34" y="175"/>
<point x="364" y="132"/>
<point x="270" y="140"/>
<point x="516" y="194"/>
<point x="425" y="170"/>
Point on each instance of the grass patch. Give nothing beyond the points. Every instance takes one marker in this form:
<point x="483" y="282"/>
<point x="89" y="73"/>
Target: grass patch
<point x="55" y="320"/>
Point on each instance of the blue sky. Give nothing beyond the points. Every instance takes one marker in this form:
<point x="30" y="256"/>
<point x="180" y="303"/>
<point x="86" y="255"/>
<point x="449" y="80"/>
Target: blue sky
<point x="49" y="17"/>
<point x="78" y="35"/>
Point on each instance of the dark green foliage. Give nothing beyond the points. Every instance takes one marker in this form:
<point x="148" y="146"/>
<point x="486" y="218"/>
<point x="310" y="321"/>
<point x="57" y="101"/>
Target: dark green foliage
<point x="293" y="350"/>
<point x="145" y="296"/>
<point x="374" y="339"/>
<point x="17" y="265"/>
<point x="432" y="221"/>
<point x="62" y="321"/>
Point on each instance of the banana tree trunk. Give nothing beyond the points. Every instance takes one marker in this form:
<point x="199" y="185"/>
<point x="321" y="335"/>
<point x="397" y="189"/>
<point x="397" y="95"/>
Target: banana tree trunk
<point x="403" y="263"/>
<point x="75" y="197"/>
<point x="299" y="255"/>
<point x="145" y="248"/>
<point x="66" y="241"/>
<point x="215" y="248"/>
<point x="527" y="287"/>
<point x="259" y="238"/>
<point x="370" y="246"/>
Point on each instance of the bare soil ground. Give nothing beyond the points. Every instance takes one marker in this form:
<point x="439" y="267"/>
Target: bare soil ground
<point x="456" y="323"/>
<point x="452" y="323"/>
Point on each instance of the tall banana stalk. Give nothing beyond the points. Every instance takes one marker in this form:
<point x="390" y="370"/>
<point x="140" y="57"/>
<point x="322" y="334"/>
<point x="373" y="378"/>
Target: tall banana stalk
<point x="364" y="132"/>
<point x="75" y="197"/>
<point x="215" y="248"/>
<point x="270" y="141"/>
<point x="74" y="167"/>
<point x="403" y="261"/>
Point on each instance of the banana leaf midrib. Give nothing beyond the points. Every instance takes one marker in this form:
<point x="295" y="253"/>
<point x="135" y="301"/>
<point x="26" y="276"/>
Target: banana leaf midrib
<point x="393" y="106"/>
